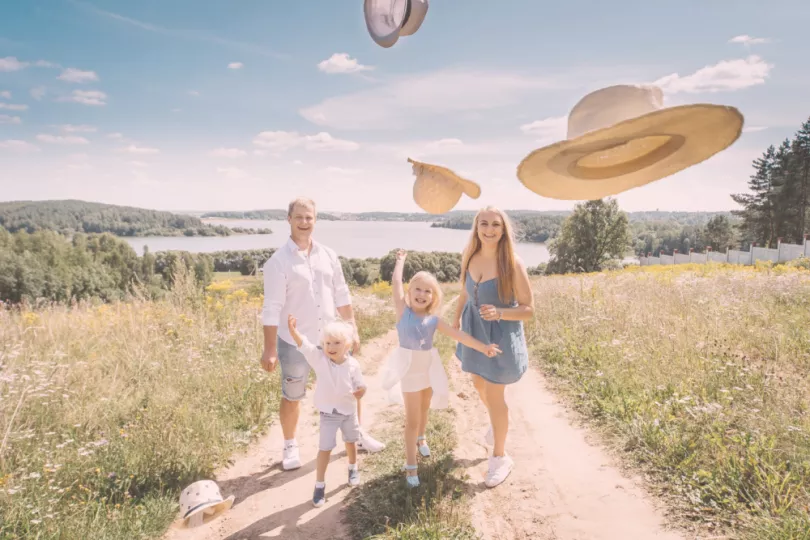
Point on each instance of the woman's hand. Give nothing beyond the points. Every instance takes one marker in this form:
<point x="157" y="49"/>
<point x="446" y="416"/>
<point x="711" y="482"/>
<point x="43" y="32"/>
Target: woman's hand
<point x="489" y="312"/>
<point x="401" y="254"/>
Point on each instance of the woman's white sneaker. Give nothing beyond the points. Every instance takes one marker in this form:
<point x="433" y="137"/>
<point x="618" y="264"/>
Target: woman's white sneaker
<point x="499" y="469"/>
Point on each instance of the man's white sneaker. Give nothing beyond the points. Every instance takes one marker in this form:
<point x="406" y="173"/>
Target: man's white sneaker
<point x="292" y="458"/>
<point x="499" y="469"/>
<point x="368" y="443"/>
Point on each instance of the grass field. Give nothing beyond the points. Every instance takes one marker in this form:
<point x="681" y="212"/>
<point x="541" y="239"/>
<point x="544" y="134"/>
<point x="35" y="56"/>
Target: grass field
<point x="695" y="373"/>
<point x="698" y="372"/>
<point x="107" y="411"/>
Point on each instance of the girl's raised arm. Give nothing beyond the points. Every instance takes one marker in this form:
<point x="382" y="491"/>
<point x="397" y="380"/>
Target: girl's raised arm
<point x="396" y="284"/>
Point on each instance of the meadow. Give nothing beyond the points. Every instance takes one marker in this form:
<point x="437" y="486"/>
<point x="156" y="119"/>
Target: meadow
<point x="108" y="410"/>
<point x="694" y="374"/>
<point x="698" y="374"/>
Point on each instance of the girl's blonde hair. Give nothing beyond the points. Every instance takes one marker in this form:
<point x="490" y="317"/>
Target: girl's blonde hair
<point x="506" y="255"/>
<point x="338" y="329"/>
<point x="433" y="283"/>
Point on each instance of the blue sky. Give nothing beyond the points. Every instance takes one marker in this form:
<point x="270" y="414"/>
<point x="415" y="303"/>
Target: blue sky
<point x="241" y="104"/>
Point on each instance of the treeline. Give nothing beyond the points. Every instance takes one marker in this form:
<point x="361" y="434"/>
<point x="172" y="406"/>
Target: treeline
<point x="48" y="266"/>
<point x="71" y="217"/>
<point x="529" y="226"/>
<point x="777" y="203"/>
<point x="718" y="232"/>
<point x="445" y="266"/>
<point x="267" y="215"/>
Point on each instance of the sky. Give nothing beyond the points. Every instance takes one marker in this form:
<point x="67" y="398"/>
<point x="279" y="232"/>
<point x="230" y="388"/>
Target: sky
<point x="245" y="104"/>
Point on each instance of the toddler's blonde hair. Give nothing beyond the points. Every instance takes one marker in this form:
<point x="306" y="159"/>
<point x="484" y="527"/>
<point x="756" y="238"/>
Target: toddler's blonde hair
<point x="433" y="283"/>
<point x="338" y="329"/>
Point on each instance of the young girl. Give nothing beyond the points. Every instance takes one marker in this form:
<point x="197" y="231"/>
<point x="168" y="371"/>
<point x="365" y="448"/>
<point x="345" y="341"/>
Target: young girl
<point x="338" y="383"/>
<point x="415" y="365"/>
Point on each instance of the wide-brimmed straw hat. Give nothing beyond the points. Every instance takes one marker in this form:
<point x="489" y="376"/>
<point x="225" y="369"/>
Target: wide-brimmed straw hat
<point x="202" y="501"/>
<point x="437" y="189"/>
<point x="622" y="137"/>
<point x="387" y="20"/>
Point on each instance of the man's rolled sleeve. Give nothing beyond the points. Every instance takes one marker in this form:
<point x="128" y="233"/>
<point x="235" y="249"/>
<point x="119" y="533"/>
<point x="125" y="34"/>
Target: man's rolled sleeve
<point x="343" y="296"/>
<point x="275" y="292"/>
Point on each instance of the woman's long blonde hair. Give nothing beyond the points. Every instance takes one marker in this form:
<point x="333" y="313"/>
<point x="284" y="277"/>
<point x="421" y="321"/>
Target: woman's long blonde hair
<point x="506" y="255"/>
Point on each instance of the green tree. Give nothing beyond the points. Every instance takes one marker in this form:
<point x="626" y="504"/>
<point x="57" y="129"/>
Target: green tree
<point x="596" y="232"/>
<point x="719" y="233"/>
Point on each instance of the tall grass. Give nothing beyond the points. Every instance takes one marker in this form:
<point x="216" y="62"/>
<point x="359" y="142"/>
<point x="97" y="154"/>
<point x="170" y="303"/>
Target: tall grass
<point x="700" y="372"/>
<point x="107" y="411"/>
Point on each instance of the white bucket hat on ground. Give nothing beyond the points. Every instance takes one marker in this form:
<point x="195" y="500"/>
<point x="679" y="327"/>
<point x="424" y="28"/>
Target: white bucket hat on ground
<point x="621" y="137"/>
<point x="437" y="189"/>
<point x="387" y="20"/>
<point x="201" y="502"/>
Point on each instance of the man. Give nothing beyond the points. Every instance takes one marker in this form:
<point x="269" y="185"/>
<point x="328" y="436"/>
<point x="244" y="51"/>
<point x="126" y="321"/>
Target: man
<point x="304" y="279"/>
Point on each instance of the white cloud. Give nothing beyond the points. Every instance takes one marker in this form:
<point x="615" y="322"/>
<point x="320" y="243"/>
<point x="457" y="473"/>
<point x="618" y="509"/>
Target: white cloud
<point x="6" y="119"/>
<point x="18" y="146"/>
<point x="410" y="99"/>
<point x="133" y="149"/>
<point x="45" y="64"/>
<point x="260" y="152"/>
<point x="117" y="136"/>
<point x="13" y="107"/>
<point x="754" y="129"/>
<point x="285" y="140"/>
<point x="298" y="162"/>
<point x="547" y="130"/>
<point x="747" y="40"/>
<point x="77" y="76"/>
<point x="5" y="94"/>
<point x="38" y="92"/>
<point x="138" y="164"/>
<point x="87" y="97"/>
<point x="73" y="128"/>
<point x="233" y="173"/>
<point x="236" y="65"/>
<point x="342" y="63"/>
<point x="60" y="139"/>
<point x="725" y="76"/>
<point x="10" y="63"/>
<point x="193" y="93"/>
<point x="177" y="110"/>
<point x="228" y="152"/>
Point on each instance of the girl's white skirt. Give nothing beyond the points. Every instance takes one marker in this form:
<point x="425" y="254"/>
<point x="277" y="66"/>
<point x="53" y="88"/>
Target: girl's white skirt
<point x="407" y="370"/>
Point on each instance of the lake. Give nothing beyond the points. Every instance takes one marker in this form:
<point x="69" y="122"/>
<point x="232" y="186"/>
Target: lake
<point x="352" y="239"/>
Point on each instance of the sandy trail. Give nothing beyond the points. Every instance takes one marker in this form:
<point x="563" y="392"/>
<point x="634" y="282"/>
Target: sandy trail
<point x="562" y="487"/>
<point x="272" y="503"/>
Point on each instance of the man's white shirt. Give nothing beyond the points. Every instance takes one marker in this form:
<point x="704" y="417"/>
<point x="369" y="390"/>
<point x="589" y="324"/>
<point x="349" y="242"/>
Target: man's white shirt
<point x="310" y="287"/>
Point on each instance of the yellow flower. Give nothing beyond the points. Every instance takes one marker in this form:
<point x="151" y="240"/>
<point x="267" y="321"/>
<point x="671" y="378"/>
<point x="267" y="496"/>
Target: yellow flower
<point x="30" y="318"/>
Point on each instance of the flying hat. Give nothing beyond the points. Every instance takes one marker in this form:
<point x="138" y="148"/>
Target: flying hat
<point x="387" y="20"/>
<point x="621" y="137"/>
<point x="437" y="189"/>
<point x="201" y="502"/>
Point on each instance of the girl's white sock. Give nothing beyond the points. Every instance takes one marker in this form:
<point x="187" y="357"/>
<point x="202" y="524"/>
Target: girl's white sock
<point x="352" y="466"/>
<point x="320" y="484"/>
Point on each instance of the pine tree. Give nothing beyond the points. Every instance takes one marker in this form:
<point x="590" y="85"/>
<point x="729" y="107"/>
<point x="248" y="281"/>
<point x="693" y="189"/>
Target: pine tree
<point x="757" y="212"/>
<point x="800" y="169"/>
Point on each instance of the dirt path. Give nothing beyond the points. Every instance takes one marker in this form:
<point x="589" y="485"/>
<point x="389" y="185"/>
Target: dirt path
<point x="562" y="487"/>
<point x="272" y="503"/>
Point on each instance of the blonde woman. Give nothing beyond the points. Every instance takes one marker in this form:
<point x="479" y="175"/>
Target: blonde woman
<point x="496" y="298"/>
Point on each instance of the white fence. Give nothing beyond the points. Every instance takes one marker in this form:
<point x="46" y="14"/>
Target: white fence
<point x="782" y="253"/>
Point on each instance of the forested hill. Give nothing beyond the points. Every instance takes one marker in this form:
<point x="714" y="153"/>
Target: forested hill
<point x="72" y="216"/>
